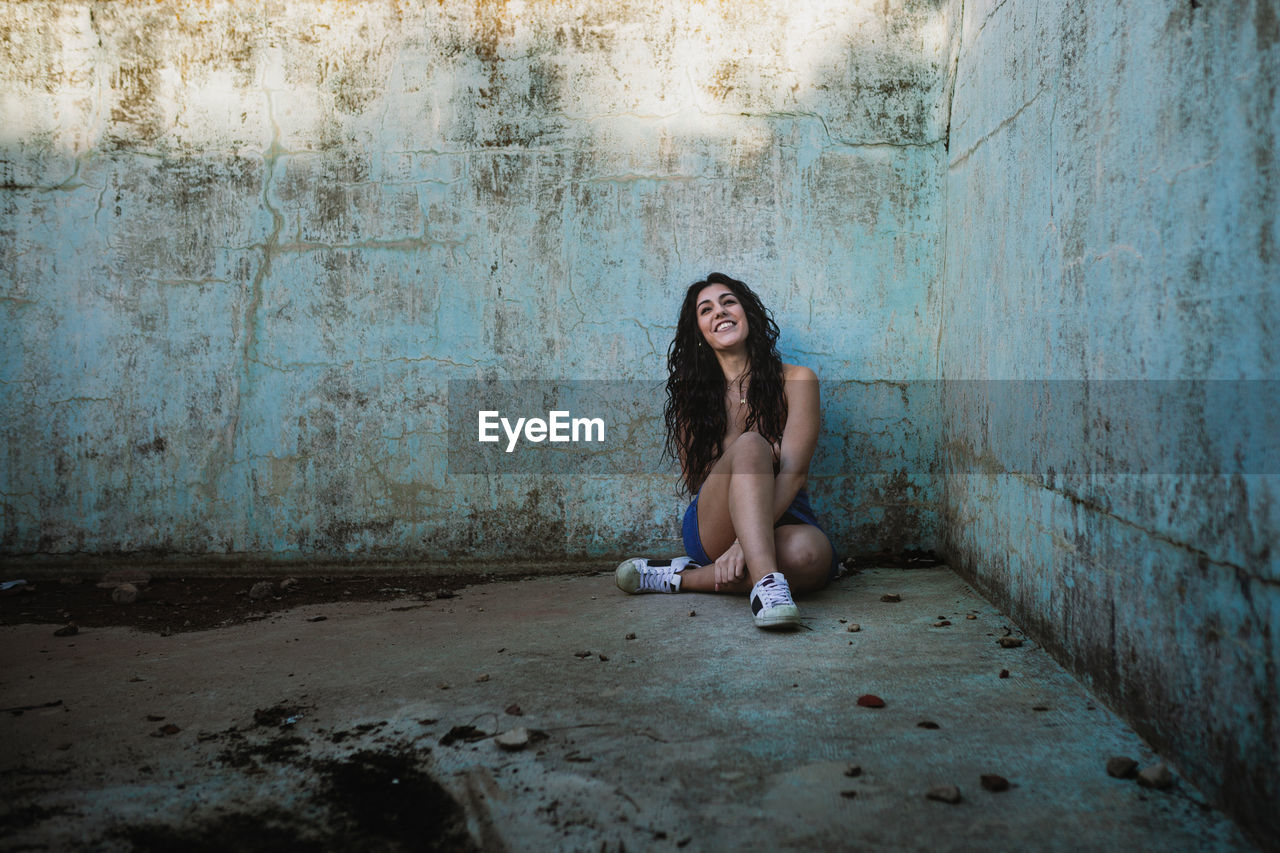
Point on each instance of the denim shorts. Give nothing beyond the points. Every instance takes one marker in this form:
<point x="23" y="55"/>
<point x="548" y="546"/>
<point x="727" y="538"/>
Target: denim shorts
<point x="799" y="512"/>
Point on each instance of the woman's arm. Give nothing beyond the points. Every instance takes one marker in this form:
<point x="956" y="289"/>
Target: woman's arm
<point x="799" y="436"/>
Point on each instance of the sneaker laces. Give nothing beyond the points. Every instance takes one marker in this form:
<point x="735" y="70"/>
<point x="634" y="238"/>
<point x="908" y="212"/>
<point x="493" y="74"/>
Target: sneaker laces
<point x="657" y="578"/>
<point x="775" y="592"/>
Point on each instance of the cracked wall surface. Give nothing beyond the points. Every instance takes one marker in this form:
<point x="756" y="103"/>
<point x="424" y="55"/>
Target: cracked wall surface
<point x="1112" y="224"/>
<point x="246" y="246"/>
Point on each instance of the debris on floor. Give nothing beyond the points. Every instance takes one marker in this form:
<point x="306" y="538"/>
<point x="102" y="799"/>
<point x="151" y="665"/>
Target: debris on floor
<point x="1122" y="767"/>
<point x="125" y="593"/>
<point x="513" y="739"/>
<point x="994" y="782"/>
<point x="944" y="794"/>
<point x="1157" y="776"/>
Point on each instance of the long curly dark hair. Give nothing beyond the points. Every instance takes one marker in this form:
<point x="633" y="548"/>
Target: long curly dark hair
<point x="695" y="413"/>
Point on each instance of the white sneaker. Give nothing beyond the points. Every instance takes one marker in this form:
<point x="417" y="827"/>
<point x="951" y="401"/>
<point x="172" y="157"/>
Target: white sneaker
<point x="641" y="575"/>
<point x="771" y="603"/>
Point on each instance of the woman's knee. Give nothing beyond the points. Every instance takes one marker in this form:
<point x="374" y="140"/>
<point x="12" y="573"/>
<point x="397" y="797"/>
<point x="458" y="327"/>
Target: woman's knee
<point x="804" y="556"/>
<point x="751" y="444"/>
<point x="799" y="553"/>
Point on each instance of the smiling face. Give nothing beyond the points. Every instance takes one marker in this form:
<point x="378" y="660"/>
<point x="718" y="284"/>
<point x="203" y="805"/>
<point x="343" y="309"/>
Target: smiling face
<point x="721" y="318"/>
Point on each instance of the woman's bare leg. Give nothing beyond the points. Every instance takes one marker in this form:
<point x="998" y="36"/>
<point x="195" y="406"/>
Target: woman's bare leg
<point x="804" y="558"/>
<point x="736" y="502"/>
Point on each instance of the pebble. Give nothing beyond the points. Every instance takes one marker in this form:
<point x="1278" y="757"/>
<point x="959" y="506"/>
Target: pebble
<point x="513" y="739"/>
<point x="514" y="710"/>
<point x="262" y="589"/>
<point x="869" y="700"/>
<point x="1004" y="673"/>
<point x="854" y="628"/>
<point x="68" y="630"/>
<point x="853" y="771"/>
<point x="1121" y="767"/>
<point x="484" y="677"/>
<point x="943" y="624"/>
<point x="288" y="584"/>
<point x="582" y="654"/>
<point x="970" y="616"/>
<point x="1155" y="776"/>
<point x="603" y="657"/>
<point x="944" y="794"/>
<point x="994" y="782"/>
<point x="891" y="597"/>
<point x="631" y="636"/>
<point x="125" y="593"/>
<point x="927" y="724"/>
<point x="1010" y="642"/>
<point x="693" y="613"/>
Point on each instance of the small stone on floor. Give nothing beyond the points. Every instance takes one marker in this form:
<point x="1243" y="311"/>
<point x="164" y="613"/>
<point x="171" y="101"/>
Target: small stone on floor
<point x="944" y="794"/>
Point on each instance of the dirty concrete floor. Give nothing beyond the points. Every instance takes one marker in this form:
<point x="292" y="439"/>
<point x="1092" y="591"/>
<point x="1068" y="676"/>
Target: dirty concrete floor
<point x="701" y="733"/>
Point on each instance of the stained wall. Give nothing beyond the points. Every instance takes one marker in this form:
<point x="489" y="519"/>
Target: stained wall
<point x="246" y="246"/>
<point x="1031" y="251"/>
<point x="1110" y="318"/>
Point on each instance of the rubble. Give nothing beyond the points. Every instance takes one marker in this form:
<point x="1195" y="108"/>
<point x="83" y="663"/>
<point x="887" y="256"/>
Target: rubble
<point x="1121" y="767"/>
<point x="513" y="739"/>
<point x="944" y="794"/>
<point x="994" y="782"/>
<point x="1156" y="776"/>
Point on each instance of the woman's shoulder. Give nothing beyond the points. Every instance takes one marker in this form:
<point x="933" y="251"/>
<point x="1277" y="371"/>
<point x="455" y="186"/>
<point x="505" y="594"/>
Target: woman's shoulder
<point x="797" y="372"/>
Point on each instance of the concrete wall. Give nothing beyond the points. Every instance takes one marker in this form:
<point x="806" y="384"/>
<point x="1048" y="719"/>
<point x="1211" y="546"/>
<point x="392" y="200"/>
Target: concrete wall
<point x="246" y="246"/>
<point x="1112" y="215"/>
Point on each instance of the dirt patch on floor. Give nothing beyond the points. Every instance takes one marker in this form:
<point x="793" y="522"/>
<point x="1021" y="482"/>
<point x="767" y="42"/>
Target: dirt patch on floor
<point x="174" y="605"/>
<point x="273" y="782"/>
<point x="370" y="800"/>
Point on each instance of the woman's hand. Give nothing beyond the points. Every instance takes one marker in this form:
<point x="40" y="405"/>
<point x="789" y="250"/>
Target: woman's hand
<point x="731" y="566"/>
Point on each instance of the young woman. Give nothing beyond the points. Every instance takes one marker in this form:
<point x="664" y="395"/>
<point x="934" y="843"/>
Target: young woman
<point x="744" y="426"/>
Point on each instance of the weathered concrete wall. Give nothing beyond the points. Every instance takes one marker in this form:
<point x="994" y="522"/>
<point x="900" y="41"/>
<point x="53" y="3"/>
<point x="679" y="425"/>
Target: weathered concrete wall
<point x="245" y="247"/>
<point x="1112" y="200"/>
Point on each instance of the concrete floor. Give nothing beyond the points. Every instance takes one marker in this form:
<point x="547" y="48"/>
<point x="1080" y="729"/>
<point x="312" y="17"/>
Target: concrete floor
<point x="702" y="733"/>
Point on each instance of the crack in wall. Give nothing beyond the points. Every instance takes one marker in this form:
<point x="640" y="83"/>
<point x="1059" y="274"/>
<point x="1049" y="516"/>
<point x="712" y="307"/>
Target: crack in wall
<point x="221" y="459"/>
